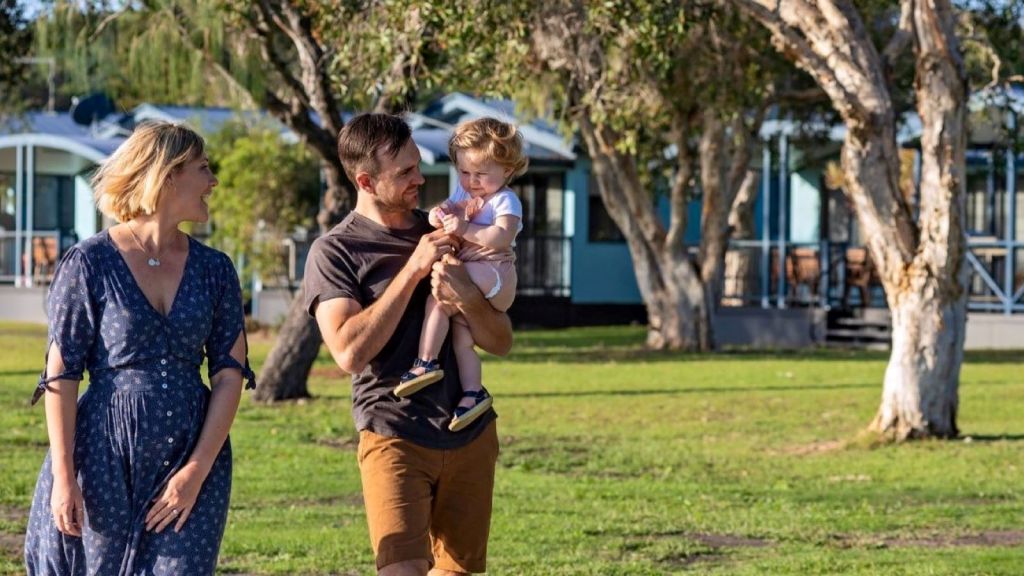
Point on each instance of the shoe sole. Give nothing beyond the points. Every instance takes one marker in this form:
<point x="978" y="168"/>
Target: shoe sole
<point x="413" y="386"/>
<point x="475" y="412"/>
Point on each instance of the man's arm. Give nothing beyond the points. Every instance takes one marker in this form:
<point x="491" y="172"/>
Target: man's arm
<point x="355" y="335"/>
<point x="452" y="288"/>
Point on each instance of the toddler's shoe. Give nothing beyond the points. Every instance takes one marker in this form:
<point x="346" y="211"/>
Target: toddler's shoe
<point x="414" y="381"/>
<point x="465" y="416"/>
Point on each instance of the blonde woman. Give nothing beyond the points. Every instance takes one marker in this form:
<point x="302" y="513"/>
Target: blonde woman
<point x="138" y="475"/>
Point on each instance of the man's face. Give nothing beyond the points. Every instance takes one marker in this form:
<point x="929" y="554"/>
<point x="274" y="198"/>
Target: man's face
<point x="397" y="185"/>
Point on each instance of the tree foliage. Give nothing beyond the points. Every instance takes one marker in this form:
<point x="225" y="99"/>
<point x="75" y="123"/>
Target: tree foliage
<point x="267" y="188"/>
<point x="15" y="42"/>
<point x="135" y="57"/>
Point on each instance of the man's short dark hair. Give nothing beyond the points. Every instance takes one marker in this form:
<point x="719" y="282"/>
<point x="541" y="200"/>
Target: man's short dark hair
<point x="365" y="135"/>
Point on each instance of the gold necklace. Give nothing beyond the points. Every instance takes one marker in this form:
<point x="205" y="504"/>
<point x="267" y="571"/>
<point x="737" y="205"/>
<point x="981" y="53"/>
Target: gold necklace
<point x="153" y="262"/>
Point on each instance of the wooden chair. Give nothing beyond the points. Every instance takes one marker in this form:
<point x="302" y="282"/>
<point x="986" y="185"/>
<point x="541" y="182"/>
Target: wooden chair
<point x="803" y="268"/>
<point x="44" y="258"/>
<point x="860" y="274"/>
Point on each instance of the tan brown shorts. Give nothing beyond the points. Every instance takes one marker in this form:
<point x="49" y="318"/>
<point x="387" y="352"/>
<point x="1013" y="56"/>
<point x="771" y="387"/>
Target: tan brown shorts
<point x="429" y="504"/>
<point x="497" y="280"/>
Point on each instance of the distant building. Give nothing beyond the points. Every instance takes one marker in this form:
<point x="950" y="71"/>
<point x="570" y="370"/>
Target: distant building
<point x="809" y="273"/>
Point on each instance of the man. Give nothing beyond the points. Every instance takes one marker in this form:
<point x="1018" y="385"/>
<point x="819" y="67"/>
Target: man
<point x="427" y="490"/>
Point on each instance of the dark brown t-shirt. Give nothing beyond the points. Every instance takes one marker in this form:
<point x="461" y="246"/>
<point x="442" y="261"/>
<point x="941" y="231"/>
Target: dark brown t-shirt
<point x="358" y="259"/>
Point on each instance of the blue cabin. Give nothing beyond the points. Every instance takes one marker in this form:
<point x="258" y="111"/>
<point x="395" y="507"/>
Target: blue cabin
<point x="805" y="257"/>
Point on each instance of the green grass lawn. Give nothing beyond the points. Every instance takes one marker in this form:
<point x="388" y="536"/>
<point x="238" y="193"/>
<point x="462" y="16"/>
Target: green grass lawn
<point x="616" y="461"/>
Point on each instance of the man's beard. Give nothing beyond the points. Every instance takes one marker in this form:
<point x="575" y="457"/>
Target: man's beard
<point x="395" y="205"/>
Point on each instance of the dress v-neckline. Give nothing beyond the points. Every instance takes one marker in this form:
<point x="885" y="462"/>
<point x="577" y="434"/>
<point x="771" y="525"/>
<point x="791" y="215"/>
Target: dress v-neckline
<point x="138" y="287"/>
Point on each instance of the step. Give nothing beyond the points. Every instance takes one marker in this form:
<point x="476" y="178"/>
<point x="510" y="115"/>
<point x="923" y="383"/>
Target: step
<point x="868" y="335"/>
<point x="861" y="323"/>
<point x="873" y="346"/>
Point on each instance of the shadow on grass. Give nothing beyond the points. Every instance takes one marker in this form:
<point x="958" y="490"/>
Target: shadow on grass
<point x="989" y="437"/>
<point x="639" y="354"/>
<point x="692" y="390"/>
<point x="12" y="373"/>
<point x="586" y="351"/>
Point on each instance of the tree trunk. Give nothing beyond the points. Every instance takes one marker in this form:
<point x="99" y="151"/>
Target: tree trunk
<point x="715" y="205"/>
<point x="919" y="397"/>
<point x="739" y="263"/>
<point x="286" y="370"/>
<point x="929" y="305"/>
<point x="298" y="341"/>
<point x="677" y="311"/>
<point x="922" y="264"/>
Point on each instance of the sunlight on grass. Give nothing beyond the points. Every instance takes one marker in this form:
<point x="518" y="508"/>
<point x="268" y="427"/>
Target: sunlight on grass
<point x="619" y="461"/>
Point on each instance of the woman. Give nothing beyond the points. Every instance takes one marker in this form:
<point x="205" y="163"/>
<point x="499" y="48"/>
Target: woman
<point x="139" y="471"/>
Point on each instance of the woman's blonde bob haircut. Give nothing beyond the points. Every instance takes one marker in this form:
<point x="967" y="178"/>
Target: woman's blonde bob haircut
<point x="131" y="181"/>
<point x="500" y="141"/>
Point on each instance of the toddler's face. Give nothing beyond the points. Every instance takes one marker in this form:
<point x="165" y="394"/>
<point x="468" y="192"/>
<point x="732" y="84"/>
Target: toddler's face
<point x="479" y="175"/>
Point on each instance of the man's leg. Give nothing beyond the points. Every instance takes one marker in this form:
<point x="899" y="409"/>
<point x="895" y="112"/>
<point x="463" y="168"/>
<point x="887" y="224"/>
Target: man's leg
<point x="398" y="482"/>
<point x="462" y="506"/>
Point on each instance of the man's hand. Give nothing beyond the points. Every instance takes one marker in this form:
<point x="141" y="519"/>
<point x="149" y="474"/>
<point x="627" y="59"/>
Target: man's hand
<point x="451" y="285"/>
<point x="456" y="293"/>
<point x="430" y="249"/>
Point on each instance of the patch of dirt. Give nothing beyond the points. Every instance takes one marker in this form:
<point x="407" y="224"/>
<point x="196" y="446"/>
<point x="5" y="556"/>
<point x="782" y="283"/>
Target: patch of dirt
<point x="347" y="443"/>
<point x="986" y="539"/>
<point x="688" y="560"/>
<point x="727" y="540"/>
<point x="14" y="514"/>
<point x="813" y="448"/>
<point x="348" y="499"/>
<point x="327" y="372"/>
<point x="562" y="455"/>
<point x="12" y="546"/>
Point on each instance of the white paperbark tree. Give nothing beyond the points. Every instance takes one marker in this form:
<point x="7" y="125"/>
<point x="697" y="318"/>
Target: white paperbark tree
<point x="922" y="263"/>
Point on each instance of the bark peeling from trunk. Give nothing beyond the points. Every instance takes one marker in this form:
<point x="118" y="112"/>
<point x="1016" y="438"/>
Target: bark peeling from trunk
<point x="922" y="264"/>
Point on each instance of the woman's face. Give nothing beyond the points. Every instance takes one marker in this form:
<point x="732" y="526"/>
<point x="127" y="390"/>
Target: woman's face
<point x="479" y="175"/>
<point x="192" y="184"/>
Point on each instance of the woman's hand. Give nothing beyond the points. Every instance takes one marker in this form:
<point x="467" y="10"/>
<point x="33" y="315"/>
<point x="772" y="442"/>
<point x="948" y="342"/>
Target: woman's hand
<point x="67" y="505"/>
<point x="177" y="500"/>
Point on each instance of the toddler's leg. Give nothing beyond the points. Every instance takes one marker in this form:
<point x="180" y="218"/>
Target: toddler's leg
<point x="426" y="370"/>
<point x="475" y="400"/>
<point x="435" y="328"/>
<point x="466" y="357"/>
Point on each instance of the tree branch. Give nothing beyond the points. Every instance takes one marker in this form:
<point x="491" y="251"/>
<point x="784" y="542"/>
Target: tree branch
<point x="315" y="81"/>
<point x="903" y="36"/>
<point x="677" y="196"/>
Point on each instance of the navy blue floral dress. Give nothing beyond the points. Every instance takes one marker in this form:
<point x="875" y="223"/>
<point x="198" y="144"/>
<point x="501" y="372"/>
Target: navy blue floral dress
<point x="142" y="413"/>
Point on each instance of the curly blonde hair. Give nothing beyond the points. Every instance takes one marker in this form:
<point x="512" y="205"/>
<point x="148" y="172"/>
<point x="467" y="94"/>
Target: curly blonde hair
<point x="500" y="141"/>
<point x="131" y="181"/>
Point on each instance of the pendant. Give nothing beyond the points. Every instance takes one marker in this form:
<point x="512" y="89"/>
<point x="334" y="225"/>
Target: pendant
<point x="153" y="262"/>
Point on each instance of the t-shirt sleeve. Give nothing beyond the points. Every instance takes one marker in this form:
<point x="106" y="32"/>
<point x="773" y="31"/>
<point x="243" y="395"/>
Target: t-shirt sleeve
<point x="506" y="203"/>
<point x="329" y="274"/>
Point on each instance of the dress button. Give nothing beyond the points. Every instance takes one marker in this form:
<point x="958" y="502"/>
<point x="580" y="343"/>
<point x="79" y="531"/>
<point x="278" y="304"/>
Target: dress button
<point x="163" y="360"/>
<point x="164" y="373"/>
<point x="170" y="440"/>
<point x="164" y="386"/>
<point x="167" y="462"/>
<point x="169" y="413"/>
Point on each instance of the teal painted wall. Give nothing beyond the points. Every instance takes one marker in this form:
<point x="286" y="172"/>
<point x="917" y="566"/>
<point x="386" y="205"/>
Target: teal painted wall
<point x="602" y="272"/>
